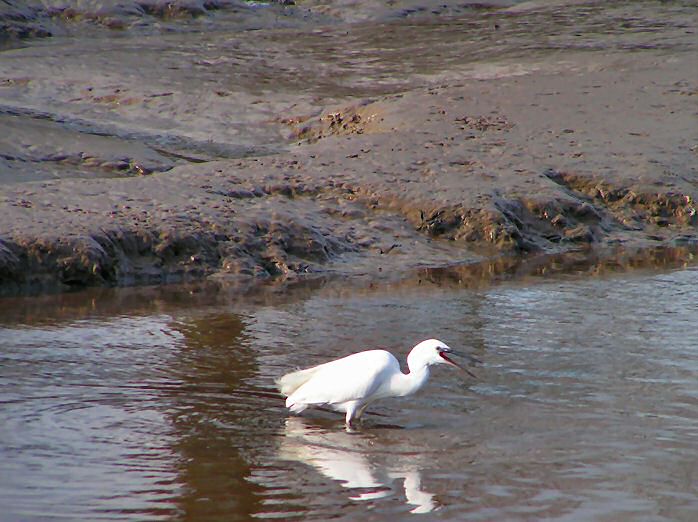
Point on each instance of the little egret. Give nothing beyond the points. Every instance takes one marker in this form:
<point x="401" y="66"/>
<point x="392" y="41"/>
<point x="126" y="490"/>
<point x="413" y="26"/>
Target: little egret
<point x="352" y="383"/>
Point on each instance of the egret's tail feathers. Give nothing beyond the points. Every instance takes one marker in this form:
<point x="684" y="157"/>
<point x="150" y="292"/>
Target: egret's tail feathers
<point x="290" y="382"/>
<point x="295" y="407"/>
<point x="294" y="380"/>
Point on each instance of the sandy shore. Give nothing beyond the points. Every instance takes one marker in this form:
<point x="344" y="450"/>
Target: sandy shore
<point x="510" y="156"/>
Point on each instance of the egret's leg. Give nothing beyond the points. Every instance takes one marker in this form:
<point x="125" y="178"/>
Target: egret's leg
<point x="351" y="414"/>
<point x="361" y="411"/>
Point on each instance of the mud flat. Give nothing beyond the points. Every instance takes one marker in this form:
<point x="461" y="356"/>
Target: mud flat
<point x="139" y="158"/>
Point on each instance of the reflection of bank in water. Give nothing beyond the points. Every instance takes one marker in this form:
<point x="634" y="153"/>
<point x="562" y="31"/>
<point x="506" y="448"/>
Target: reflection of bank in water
<point x="346" y="458"/>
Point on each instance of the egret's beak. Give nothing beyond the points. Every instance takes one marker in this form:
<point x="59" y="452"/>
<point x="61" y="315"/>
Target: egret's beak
<point x="469" y="358"/>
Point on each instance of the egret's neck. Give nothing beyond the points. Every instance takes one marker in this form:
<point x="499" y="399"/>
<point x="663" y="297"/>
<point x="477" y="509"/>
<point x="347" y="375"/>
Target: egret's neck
<point x="407" y="384"/>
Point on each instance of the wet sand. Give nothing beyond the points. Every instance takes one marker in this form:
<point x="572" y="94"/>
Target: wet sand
<point x="342" y="141"/>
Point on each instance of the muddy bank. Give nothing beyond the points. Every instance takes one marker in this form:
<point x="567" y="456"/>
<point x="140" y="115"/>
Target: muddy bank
<point x="585" y="142"/>
<point x="102" y="302"/>
<point x="21" y="20"/>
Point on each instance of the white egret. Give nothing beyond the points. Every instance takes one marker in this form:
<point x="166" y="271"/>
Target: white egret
<point x="352" y="383"/>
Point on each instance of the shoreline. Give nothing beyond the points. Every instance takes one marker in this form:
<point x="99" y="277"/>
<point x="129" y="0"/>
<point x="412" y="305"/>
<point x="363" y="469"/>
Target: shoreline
<point x="508" y="271"/>
<point x="545" y="156"/>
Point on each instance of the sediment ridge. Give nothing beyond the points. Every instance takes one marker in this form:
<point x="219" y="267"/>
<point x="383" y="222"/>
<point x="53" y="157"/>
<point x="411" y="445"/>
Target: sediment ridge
<point x="577" y="152"/>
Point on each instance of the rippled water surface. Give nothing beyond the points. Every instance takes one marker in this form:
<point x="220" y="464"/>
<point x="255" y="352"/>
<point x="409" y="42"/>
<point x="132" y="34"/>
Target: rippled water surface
<point x="160" y="404"/>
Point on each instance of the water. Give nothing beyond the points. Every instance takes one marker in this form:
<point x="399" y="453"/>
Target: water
<point x="159" y="403"/>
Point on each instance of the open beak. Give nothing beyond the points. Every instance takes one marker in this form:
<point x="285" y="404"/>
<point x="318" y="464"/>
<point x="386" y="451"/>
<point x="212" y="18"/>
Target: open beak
<point x="469" y="358"/>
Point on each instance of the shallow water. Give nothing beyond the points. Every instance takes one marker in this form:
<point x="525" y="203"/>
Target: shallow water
<point x="159" y="403"/>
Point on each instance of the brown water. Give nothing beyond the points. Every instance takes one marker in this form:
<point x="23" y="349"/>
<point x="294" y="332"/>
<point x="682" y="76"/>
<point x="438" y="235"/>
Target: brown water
<point x="159" y="403"/>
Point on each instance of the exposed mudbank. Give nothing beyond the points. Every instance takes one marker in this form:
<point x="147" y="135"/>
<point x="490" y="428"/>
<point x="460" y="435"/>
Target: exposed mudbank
<point x="24" y="19"/>
<point x="123" y="171"/>
<point x="101" y="301"/>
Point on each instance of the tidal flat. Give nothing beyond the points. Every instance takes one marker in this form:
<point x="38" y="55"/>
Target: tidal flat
<point x="244" y="141"/>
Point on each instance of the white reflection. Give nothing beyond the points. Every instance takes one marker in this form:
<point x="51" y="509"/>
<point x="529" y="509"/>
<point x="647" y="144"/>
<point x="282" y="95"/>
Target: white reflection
<point x="344" y="457"/>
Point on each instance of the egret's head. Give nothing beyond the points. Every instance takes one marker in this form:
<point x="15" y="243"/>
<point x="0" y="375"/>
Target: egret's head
<point x="431" y="351"/>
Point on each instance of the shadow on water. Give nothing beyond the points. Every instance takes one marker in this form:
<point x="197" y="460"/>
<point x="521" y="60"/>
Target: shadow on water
<point x="208" y="419"/>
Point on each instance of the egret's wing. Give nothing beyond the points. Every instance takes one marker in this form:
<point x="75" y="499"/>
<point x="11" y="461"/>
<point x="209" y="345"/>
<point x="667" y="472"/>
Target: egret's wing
<point x="290" y="382"/>
<point x="354" y="377"/>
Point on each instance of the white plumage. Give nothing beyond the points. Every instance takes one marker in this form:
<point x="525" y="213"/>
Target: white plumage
<point x="352" y="383"/>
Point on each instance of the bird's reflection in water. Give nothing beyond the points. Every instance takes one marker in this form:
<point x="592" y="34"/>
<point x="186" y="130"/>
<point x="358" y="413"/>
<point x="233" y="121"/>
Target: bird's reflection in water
<point x="346" y="457"/>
